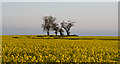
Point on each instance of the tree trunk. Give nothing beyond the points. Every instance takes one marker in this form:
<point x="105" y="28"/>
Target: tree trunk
<point x="61" y="34"/>
<point x="56" y="33"/>
<point x="48" y="33"/>
<point x="68" y="33"/>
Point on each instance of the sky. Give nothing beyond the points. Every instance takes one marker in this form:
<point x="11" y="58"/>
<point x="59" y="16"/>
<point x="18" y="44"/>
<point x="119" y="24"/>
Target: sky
<point x="60" y="0"/>
<point x="92" y="18"/>
<point x="0" y="18"/>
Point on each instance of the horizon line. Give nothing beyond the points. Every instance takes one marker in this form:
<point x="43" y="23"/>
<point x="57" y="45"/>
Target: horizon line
<point x="58" y="34"/>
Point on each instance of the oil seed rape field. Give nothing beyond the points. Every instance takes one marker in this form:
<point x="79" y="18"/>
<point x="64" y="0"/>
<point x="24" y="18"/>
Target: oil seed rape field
<point x="0" y="48"/>
<point x="33" y="48"/>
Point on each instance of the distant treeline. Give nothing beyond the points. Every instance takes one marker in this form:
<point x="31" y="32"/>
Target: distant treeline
<point x="50" y="23"/>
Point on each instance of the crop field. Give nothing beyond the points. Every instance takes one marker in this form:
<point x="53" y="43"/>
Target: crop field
<point x="38" y="48"/>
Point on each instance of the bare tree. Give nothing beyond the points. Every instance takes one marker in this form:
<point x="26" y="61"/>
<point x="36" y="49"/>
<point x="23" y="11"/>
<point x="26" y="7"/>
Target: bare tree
<point x="61" y="31"/>
<point x="55" y="27"/>
<point x="48" y="21"/>
<point x="67" y="26"/>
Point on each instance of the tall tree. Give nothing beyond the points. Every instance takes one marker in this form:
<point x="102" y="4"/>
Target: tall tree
<point x="48" y="21"/>
<point x="67" y="26"/>
<point x="55" y="27"/>
<point x="61" y="31"/>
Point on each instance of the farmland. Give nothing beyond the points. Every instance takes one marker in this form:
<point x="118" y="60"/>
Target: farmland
<point x="33" y="48"/>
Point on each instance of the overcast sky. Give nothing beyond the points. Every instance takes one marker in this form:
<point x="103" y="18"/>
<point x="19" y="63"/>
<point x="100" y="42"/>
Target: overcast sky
<point x="97" y="18"/>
